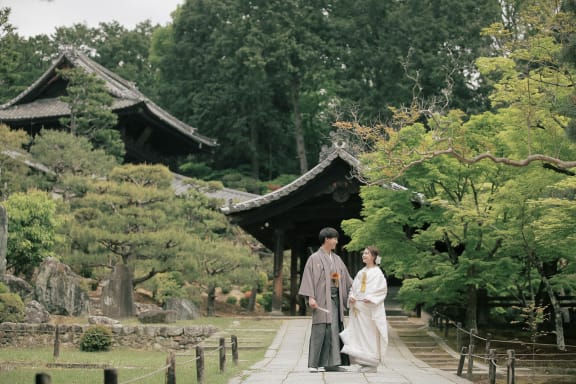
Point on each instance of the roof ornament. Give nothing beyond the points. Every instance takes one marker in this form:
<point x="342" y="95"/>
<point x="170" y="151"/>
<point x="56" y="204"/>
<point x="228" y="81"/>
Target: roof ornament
<point x="340" y="140"/>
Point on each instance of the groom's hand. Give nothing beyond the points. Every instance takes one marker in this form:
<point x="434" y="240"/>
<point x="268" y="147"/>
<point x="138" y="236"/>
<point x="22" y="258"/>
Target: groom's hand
<point x="312" y="303"/>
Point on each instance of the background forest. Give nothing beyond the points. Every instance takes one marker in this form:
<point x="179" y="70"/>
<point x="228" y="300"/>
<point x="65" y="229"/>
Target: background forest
<point x="469" y="104"/>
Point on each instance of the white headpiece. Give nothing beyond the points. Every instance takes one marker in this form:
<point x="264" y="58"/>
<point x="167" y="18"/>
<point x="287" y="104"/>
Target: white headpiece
<point x="378" y="260"/>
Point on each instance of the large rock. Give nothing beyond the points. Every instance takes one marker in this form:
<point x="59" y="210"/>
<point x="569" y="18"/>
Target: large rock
<point x="3" y="239"/>
<point x="19" y="286"/>
<point x="157" y="317"/>
<point x="117" y="300"/>
<point x="185" y="309"/>
<point x="36" y="313"/>
<point x="59" y="289"/>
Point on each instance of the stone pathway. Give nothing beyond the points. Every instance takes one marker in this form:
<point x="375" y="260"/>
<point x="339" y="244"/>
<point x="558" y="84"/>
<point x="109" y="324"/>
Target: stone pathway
<point x="286" y="362"/>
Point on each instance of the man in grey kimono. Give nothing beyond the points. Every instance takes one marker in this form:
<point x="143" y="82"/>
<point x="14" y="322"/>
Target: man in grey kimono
<point x="326" y="283"/>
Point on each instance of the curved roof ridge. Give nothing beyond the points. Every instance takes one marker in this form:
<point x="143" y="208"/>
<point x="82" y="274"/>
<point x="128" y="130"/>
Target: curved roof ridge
<point x="295" y="184"/>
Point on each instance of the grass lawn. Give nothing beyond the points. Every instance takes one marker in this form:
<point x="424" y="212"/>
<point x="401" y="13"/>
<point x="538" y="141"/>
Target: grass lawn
<point x="20" y="366"/>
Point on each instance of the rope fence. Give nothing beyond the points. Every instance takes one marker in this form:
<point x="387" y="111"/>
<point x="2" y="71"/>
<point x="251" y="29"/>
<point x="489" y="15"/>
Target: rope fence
<point x="169" y="369"/>
<point x="489" y="351"/>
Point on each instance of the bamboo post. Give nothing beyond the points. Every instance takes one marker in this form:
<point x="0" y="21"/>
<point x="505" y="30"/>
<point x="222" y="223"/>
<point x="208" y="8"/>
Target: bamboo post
<point x="511" y="375"/>
<point x="200" y="365"/>
<point x="110" y="376"/>
<point x="56" y="352"/>
<point x="222" y="355"/>
<point x="171" y="370"/>
<point x="463" y="353"/>
<point x="471" y="354"/>
<point x="492" y="366"/>
<point x="43" y="378"/>
<point x="234" y="342"/>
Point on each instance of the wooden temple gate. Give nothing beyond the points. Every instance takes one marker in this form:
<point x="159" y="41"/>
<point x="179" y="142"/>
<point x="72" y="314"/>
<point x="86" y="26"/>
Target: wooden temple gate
<point x="292" y="216"/>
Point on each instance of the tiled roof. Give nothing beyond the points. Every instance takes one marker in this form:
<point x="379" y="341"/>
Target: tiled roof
<point x="181" y="185"/>
<point x="295" y="185"/>
<point x="126" y="93"/>
<point x="41" y="108"/>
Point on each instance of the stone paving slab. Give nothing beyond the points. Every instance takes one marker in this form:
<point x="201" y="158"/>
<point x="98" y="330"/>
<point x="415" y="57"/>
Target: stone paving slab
<point x="286" y="362"/>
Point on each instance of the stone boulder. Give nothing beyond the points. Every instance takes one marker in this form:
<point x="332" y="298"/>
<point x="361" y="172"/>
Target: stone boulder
<point x="36" y="313"/>
<point x="19" y="286"/>
<point x="185" y="309"/>
<point x="117" y="300"/>
<point x="160" y="316"/>
<point x="102" y="320"/>
<point x="59" y="289"/>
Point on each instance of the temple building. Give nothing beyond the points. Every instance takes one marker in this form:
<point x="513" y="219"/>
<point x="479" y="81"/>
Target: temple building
<point x="150" y="134"/>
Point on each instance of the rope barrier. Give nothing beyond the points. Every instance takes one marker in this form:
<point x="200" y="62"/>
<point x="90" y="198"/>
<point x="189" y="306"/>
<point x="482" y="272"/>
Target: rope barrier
<point x="146" y="376"/>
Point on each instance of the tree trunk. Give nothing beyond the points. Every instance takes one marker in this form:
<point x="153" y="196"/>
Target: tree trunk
<point x="3" y="240"/>
<point x="255" y="152"/>
<point x="211" y="302"/>
<point x="472" y="307"/>
<point x="556" y="309"/>
<point x="471" y="302"/>
<point x="252" y="299"/>
<point x="298" y="131"/>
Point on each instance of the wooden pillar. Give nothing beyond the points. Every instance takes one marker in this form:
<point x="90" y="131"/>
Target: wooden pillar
<point x="278" y="264"/>
<point x="294" y="256"/>
<point x="301" y="300"/>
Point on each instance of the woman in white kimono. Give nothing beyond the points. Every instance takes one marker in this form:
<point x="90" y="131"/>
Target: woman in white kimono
<point x="366" y="336"/>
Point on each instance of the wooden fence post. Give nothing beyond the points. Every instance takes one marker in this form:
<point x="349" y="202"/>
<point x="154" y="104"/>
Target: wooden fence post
<point x="200" y="365"/>
<point x="458" y="336"/>
<point x="171" y="370"/>
<point x="446" y="327"/>
<point x="511" y="375"/>
<point x="488" y="342"/>
<point x="471" y="354"/>
<point x="492" y="366"/>
<point x="56" y="352"/>
<point x="110" y="376"/>
<point x="463" y="353"/>
<point x="222" y="354"/>
<point x="234" y="341"/>
<point x="43" y="378"/>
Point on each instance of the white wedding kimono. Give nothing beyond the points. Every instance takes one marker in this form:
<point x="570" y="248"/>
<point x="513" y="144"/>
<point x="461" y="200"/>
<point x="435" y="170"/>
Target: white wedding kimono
<point x="366" y="336"/>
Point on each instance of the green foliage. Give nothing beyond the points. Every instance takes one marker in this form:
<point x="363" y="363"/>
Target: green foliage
<point x="167" y="285"/>
<point x="15" y="175"/>
<point x="32" y="225"/>
<point x="66" y="154"/>
<point x="91" y="115"/>
<point x="96" y="338"/>
<point x="481" y="224"/>
<point x="3" y="288"/>
<point x="11" y="308"/>
<point x="265" y="300"/>
<point x="232" y="300"/>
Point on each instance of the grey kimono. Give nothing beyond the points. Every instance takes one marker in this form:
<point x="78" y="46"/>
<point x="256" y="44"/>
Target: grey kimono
<point x="317" y="283"/>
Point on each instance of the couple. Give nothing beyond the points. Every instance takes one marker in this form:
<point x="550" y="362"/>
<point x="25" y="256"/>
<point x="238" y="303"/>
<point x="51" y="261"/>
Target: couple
<point x="327" y="284"/>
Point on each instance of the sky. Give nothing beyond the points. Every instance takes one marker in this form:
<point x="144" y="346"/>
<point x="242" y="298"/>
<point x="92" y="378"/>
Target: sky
<point x="33" y="17"/>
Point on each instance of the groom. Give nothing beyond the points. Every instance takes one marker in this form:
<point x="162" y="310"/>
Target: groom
<point x="326" y="283"/>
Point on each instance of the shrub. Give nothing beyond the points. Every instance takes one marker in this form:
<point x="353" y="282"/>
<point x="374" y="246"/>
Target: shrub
<point x="11" y="308"/>
<point x="265" y="300"/>
<point x="96" y="338"/>
<point x="231" y="300"/>
<point x="4" y="288"/>
<point x="244" y="302"/>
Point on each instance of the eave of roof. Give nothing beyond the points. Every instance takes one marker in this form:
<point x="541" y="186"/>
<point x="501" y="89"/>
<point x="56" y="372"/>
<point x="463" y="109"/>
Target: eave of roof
<point x="124" y="91"/>
<point x="295" y="185"/>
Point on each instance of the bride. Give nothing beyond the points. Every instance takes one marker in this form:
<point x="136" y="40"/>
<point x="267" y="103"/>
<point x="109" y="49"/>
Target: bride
<point x="366" y="336"/>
